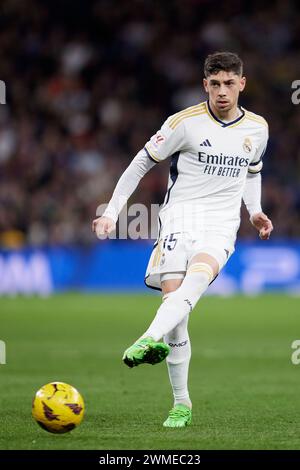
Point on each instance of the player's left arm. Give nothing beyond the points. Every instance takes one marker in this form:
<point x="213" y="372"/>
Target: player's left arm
<point x="252" y="192"/>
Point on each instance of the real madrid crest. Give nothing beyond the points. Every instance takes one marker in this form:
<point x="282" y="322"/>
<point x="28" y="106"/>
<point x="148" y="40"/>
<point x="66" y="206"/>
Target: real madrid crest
<point x="247" y="145"/>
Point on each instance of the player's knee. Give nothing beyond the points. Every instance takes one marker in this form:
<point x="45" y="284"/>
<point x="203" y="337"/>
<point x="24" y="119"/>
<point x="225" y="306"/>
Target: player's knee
<point x="202" y="272"/>
<point x="212" y="262"/>
<point x="197" y="280"/>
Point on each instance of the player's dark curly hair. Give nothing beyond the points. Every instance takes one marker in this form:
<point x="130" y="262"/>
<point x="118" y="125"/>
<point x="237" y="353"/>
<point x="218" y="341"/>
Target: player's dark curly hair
<point x="227" y="61"/>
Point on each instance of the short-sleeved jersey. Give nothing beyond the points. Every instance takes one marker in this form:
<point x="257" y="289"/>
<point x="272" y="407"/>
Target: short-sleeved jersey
<point x="210" y="160"/>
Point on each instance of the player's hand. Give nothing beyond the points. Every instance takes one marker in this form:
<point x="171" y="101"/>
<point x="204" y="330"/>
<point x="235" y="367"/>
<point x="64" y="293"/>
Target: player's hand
<point x="263" y="224"/>
<point x="103" y="226"/>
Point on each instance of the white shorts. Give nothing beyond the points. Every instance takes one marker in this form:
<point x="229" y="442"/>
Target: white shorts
<point x="173" y="252"/>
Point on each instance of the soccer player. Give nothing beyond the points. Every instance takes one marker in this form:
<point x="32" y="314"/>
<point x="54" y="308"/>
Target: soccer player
<point x="216" y="149"/>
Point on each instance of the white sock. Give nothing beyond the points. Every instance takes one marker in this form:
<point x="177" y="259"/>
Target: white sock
<point x="182" y="301"/>
<point x="178" y="361"/>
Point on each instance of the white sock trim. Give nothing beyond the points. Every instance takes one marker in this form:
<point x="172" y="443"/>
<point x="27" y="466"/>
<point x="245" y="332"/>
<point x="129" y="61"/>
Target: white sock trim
<point x="201" y="267"/>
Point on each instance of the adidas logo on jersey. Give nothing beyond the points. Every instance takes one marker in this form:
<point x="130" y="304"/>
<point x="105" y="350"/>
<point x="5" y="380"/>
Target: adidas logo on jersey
<point x="205" y="143"/>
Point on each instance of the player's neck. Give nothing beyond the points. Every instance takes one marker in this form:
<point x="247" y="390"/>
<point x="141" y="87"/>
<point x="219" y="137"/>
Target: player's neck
<point x="229" y="115"/>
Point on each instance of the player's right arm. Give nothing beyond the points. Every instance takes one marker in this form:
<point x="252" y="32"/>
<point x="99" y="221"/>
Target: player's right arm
<point x="165" y="142"/>
<point x="126" y="185"/>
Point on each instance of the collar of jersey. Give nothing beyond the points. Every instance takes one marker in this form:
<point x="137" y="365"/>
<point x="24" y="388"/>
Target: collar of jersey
<point x="222" y="123"/>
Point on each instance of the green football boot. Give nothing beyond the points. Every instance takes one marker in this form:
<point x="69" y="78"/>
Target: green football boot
<point x="179" y="417"/>
<point x="145" y="350"/>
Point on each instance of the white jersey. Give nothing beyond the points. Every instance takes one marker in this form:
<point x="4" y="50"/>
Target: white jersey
<point x="210" y="162"/>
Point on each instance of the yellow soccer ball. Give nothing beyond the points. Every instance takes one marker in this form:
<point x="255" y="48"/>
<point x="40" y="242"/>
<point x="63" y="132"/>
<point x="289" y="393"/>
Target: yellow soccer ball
<point x="58" y="407"/>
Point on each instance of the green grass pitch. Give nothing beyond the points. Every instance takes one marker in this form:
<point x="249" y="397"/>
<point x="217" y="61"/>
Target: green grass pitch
<point x="244" y="387"/>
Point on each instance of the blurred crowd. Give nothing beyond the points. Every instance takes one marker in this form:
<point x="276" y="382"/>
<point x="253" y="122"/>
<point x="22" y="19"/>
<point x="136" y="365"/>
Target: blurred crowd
<point x="89" y="82"/>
